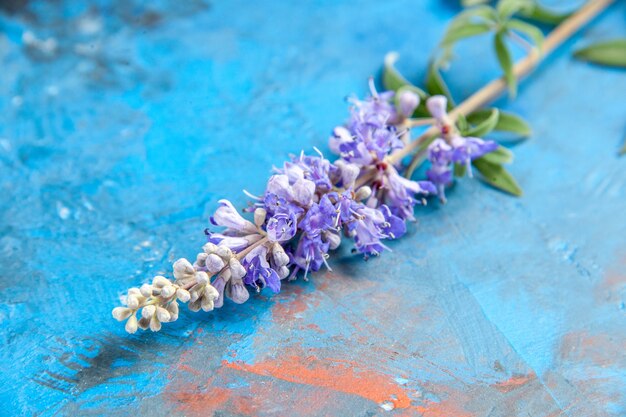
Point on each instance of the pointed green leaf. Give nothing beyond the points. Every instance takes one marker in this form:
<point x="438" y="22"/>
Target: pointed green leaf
<point x="507" y="8"/>
<point x="392" y="79"/>
<point x="435" y="84"/>
<point x="500" y="156"/>
<point x="485" y="126"/>
<point x="456" y="33"/>
<point x="498" y="177"/>
<point x="527" y="29"/>
<point x="506" y="63"/>
<point x="461" y="123"/>
<point x="507" y="122"/>
<point x="611" y="53"/>
<point x="540" y="14"/>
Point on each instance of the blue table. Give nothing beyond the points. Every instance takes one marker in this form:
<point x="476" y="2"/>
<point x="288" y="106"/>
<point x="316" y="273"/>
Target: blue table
<point x="122" y="125"/>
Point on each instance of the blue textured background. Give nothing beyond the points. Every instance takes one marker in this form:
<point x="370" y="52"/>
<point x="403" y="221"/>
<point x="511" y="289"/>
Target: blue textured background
<point x="118" y="137"/>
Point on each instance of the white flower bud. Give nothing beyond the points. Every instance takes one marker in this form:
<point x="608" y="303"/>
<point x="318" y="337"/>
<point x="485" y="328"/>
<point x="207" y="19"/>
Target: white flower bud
<point x="160" y="281"/>
<point x="202" y="277"/>
<point x="279" y="255"/>
<point x="163" y="315"/>
<point x="408" y="102"/>
<point x="148" y="311"/>
<point x="437" y="107"/>
<point x="173" y="310"/>
<point x="259" y="216"/>
<point x="209" y="248"/>
<point x="201" y="259"/>
<point x="194" y="305"/>
<point x="214" y="263"/>
<point x="283" y="272"/>
<point x="363" y="193"/>
<point x="131" y="324"/>
<point x="237" y="270"/>
<point x="132" y="302"/>
<point x="168" y="291"/>
<point x="224" y="252"/>
<point x="155" y="324"/>
<point x="183" y="269"/>
<point x="183" y="295"/>
<point x="121" y="313"/>
<point x="211" y="292"/>
<point x="207" y="304"/>
<point x="146" y="290"/>
<point x="134" y="291"/>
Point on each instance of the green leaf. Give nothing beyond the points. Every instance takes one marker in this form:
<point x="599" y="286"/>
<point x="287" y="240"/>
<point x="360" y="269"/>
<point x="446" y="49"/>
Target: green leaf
<point x="540" y="14"/>
<point x="500" y="156"/>
<point x="506" y="63"/>
<point x="611" y="53"/>
<point x="527" y="29"/>
<point x="622" y="150"/>
<point x="461" y="123"/>
<point x="458" y="32"/>
<point x="392" y="79"/>
<point x="486" y="126"/>
<point x="470" y="3"/>
<point x="460" y="170"/>
<point x="507" y="122"/>
<point x="435" y="84"/>
<point x="507" y="8"/>
<point x="498" y="177"/>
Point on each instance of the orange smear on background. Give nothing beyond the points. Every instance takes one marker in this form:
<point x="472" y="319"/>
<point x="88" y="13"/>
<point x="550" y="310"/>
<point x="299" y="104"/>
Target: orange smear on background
<point x="339" y="376"/>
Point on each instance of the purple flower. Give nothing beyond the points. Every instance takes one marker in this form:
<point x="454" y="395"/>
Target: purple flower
<point x="401" y="192"/>
<point x="310" y="253"/>
<point x="282" y="225"/>
<point x="320" y="217"/>
<point x="259" y="273"/>
<point x="440" y="172"/>
<point x="370" y="131"/>
<point x="226" y="215"/>
<point x="279" y="186"/>
<point x="452" y="148"/>
<point x="234" y="243"/>
<point x="468" y="149"/>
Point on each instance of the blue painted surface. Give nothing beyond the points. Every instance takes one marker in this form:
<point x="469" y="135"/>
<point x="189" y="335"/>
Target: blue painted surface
<point x="118" y="137"/>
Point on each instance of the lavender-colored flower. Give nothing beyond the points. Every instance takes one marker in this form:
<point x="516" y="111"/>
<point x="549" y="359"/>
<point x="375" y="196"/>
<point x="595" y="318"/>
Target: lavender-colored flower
<point x="227" y="215"/>
<point x="440" y="171"/>
<point x="282" y="225"/>
<point x="260" y="274"/>
<point x="370" y="131"/>
<point x="401" y="193"/>
<point x="320" y="217"/>
<point x="451" y="148"/>
<point x="466" y="149"/>
<point x="310" y="254"/>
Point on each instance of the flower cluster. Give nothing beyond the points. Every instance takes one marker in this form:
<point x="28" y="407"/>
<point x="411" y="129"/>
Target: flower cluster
<point x="451" y="148"/>
<point x="308" y="207"/>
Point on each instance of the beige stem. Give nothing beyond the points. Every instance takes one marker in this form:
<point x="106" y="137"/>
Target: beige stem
<point x="522" y="68"/>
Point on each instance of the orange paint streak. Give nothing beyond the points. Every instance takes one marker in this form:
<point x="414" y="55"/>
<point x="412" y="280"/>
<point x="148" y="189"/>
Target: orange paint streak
<point x="335" y="375"/>
<point x="514" y="382"/>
